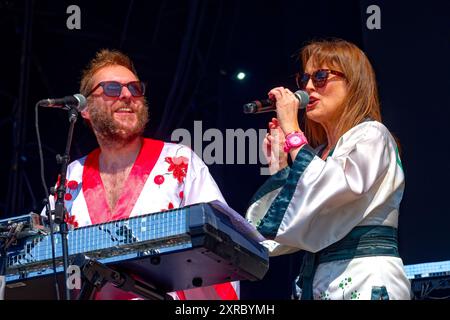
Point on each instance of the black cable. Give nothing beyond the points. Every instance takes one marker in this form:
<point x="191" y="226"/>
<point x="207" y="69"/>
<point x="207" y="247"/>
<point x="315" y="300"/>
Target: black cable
<point x="47" y="197"/>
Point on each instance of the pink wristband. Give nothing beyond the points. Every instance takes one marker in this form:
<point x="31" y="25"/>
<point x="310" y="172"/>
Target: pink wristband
<point x="294" y="140"/>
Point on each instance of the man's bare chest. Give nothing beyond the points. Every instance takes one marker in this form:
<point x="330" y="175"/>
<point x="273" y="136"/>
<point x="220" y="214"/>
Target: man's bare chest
<point x="114" y="184"/>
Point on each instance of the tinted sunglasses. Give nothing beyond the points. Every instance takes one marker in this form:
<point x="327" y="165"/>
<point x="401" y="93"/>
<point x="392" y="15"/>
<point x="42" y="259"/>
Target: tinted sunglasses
<point x="114" y="88"/>
<point x="319" y="78"/>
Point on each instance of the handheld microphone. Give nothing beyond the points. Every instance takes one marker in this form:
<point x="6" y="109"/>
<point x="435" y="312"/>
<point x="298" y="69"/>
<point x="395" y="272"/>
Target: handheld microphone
<point x="77" y="102"/>
<point x="266" y="105"/>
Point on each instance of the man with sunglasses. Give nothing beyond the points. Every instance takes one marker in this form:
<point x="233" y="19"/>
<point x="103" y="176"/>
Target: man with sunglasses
<point x="129" y="175"/>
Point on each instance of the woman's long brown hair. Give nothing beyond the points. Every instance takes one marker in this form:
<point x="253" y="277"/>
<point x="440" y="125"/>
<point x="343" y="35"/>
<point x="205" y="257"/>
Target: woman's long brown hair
<point x="362" y="97"/>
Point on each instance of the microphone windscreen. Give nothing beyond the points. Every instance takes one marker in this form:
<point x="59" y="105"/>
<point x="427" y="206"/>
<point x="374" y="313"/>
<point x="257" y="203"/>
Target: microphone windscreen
<point x="303" y="97"/>
<point x="250" y="107"/>
<point x="82" y="101"/>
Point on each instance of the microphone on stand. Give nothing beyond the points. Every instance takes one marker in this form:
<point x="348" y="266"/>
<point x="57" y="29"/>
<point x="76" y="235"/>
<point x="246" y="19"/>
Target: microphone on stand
<point x="77" y="102"/>
<point x="267" y="105"/>
<point x="74" y="104"/>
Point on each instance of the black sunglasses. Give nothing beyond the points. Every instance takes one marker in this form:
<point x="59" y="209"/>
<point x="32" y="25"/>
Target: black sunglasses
<point x="319" y="78"/>
<point x="114" y="88"/>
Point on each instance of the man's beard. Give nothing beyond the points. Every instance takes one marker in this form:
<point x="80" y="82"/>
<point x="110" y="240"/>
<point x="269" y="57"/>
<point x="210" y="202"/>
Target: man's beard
<point x="110" y="132"/>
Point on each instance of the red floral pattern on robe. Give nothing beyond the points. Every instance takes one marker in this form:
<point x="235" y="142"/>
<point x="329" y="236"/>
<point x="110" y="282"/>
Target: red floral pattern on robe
<point x="178" y="166"/>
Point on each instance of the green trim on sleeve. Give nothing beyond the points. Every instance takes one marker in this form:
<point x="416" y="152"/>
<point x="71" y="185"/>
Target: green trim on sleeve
<point x="269" y="225"/>
<point x="274" y="182"/>
<point x="399" y="162"/>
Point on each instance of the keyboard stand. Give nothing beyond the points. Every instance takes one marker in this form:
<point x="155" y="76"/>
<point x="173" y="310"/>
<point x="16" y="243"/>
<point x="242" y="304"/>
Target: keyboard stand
<point x="95" y="275"/>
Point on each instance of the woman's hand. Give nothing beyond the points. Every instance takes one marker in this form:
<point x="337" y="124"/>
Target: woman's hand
<point x="287" y="109"/>
<point x="273" y="147"/>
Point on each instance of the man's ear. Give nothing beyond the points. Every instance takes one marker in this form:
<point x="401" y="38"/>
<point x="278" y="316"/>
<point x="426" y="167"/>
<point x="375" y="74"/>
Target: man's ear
<point x="85" y="114"/>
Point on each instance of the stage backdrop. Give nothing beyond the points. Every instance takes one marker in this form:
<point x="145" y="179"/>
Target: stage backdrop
<point x="190" y="53"/>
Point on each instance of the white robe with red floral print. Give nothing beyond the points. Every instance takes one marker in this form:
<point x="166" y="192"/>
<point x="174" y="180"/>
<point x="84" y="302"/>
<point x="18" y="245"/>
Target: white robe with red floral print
<point x="164" y="176"/>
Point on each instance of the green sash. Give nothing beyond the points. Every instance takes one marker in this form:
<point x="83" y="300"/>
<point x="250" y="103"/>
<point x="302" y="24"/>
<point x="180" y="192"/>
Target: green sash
<point x="364" y="241"/>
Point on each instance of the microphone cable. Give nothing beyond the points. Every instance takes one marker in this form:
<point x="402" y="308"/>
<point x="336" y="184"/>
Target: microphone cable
<point x="46" y="201"/>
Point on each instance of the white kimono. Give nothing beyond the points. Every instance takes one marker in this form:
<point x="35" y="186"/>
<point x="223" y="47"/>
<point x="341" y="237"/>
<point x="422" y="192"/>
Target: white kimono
<point x="316" y="203"/>
<point x="164" y="176"/>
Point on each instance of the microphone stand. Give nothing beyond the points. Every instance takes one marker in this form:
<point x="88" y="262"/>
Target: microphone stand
<point x="60" y="209"/>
